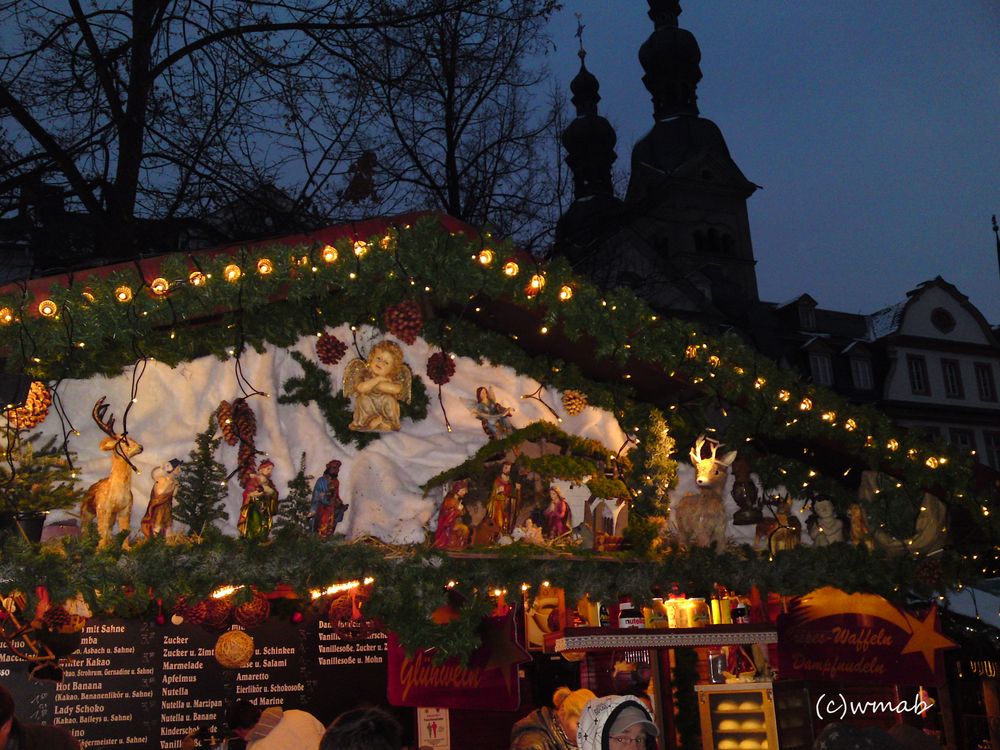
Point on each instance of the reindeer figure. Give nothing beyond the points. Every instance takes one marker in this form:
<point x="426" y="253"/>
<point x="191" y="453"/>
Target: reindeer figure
<point x="111" y="497"/>
<point x="700" y="519"/>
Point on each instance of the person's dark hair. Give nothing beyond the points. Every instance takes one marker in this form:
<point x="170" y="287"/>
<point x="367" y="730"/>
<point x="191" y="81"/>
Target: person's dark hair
<point x="6" y="705"/>
<point x="363" y="729"/>
<point x="242" y="715"/>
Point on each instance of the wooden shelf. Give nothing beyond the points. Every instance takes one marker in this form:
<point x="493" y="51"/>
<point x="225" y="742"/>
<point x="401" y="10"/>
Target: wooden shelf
<point x="609" y="639"/>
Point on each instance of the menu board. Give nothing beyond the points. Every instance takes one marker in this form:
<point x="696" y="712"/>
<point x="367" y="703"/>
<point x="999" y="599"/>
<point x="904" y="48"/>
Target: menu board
<point x="139" y="685"/>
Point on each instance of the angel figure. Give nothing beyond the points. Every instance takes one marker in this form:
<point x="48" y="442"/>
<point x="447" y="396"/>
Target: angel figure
<point x="377" y="387"/>
<point x="494" y="417"/>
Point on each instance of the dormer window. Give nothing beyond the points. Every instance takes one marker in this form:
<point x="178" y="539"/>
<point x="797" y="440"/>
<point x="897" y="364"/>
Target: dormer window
<point x="807" y="316"/>
<point x="821" y="367"/>
<point x="861" y="373"/>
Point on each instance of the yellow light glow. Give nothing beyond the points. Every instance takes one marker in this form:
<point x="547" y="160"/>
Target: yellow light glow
<point x="232" y="273"/>
<point x="339" y="587"/>
<point x="223" y="591"/>
<point x="759" y="383"/>
<point x="511" y="268"/>
<point x="806" y="404"/>
<point x="197" y="278"/>
<point x="893" y="444"/>
<point x="850" y="425"/>
<point x="784" y="396"/>
<point x="932" y="462"/>
<point x="565" y="293"/>
<point x="360" y="247"/>
<point x="714" y="361"/>
<point x="690" y="351"/>
<point x="486" y="256"/>
<point x="264" y="266"/>
<point x="6" y="316"/>
<point x="159" y="286"/>
<point x="739" y="370"/>
<point x="47" y="308"/>
<point x="123" y="294"/>
<point x="829" y="416"/>
<point x="329" y="254"/>
<point x="537" y="282"/>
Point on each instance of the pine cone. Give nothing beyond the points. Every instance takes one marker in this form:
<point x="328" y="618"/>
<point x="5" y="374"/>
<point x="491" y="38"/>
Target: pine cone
<point x="440" y="368"/>
<point x="340" y="608"/>
<point x="35" y="408"/>
<point x="247" y="461"/>
<point x="330" y="350"/>
<point x="404" y="321"/>
<point x="56" y="618"/>
<point x="244" y="420"/>
<point x="193" y="614"/>
<point x="217" y="613"/>
<point x="574" y="402"/>
<point x="224" y="416"/>
<point x="254" y="612"/>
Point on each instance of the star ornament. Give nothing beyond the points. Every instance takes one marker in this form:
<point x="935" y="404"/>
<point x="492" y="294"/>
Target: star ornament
<point x="925" y="637"/>
<point x="503" y="649"/>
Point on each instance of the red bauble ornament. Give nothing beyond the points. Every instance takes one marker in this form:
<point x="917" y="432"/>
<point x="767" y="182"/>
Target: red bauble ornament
<point x="161" y="619"/>
<point x="330" y="350"/>
<point x="296" y="617"/>
<point x="404" y="321"/>
<point x="440" y="368"/>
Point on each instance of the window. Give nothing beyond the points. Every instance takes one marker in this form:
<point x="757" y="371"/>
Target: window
<point x="917" y="367"/>
<point x="822" y="368"/>
<point x="943" y="320"/>
<point x="964" y="440"/>
<point x="993" y="449"/>
<point x="985" y="383"/>
<point x="952" y="378"/>
<point x="861" y="373"/>
<point x="807" y="316"/>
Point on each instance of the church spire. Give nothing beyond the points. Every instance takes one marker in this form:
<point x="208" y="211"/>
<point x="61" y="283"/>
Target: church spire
<point x="672" y="61"/>
<point x="589" y="140"/>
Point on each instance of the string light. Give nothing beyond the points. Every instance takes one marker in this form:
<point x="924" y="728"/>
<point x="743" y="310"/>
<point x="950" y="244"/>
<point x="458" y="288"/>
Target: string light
<point x="329" y="254"/>
<point x="197" y="278"/>
<point x="510" y="268"/>
<point x="486" y="257"/>
<point x="759" y="383"/>
<point x="123" y="294"/>
<point x="6" y="316"/>
<point x="47" y="308"/>
<point x="537" y="282"/>
<point x="232" y="273"/>
<point x="159" y="286"/>
<point x="714" y="361"/>
<point x="850" y="425"/>
<point x="565" y="293"/>
<point x="360" y="248"/>
<point x="264" y="266"/>
<point x="806" y="404"/>
<point x="784" y="396"/>
<point x="893" y="444"/>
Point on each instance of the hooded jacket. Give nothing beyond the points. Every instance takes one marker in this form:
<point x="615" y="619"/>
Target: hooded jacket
<point x="539" y="730"/>
<point x="597" y="718"/>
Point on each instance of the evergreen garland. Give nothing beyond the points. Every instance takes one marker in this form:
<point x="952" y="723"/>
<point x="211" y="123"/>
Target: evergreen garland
<point x="201" y="491"/>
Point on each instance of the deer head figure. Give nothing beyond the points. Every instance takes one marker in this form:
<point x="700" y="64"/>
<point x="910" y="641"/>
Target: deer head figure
<point x="710" y="470"/>
<point x="111" y="498"/>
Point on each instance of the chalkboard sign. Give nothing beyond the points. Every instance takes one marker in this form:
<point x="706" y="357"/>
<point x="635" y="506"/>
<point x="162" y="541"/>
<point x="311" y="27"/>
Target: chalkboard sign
<point x="135" y="684"/>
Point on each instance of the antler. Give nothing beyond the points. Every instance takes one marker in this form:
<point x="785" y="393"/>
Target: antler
<point x="100" y="409"/>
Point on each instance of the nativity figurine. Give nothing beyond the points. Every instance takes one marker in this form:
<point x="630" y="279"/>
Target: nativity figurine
<point x="494" y="416"/>
<point x="451" y="532"/>
<point x="558" y="518"/>
<point x="327" y="508"/>
<point x="377" y="387"/>
<point x="159" y="517"/>
<point x="260" y="503"/>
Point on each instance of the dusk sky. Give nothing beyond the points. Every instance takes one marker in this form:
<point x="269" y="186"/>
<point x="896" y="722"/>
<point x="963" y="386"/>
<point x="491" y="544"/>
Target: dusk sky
<point x="873" y="129"/>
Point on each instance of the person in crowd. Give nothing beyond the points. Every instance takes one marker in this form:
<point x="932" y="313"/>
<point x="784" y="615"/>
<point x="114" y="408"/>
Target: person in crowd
<point x="616" y="722"/>
<point x="273" y="728"/>
<point x="551" y="728"/>
<point x="17" y="736"/>
<point x="369" y="728"/>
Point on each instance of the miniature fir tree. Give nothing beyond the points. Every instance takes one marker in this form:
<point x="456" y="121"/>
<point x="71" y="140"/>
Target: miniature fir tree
<point x="36" y="476"/>
<point x="293" y="512"/>
<point x="201" y="493"/>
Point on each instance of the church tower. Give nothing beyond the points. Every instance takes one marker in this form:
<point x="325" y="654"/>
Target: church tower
<point x="684" y="182"/>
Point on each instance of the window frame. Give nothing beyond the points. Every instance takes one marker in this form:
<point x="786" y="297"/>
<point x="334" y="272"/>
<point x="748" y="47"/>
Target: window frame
<point x="862" y="364"/>
<point x="991" y="453"/>
<point x="989" y="393"/>
<point x="917" y="365"/>
<point x="827" y="368"/>
<point x="949" y="368"/>
<point x="954" y="431"/>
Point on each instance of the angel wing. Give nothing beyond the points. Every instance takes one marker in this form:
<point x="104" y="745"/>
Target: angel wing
<point x="405" y="378"/>
<point x="355" y="372"/>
